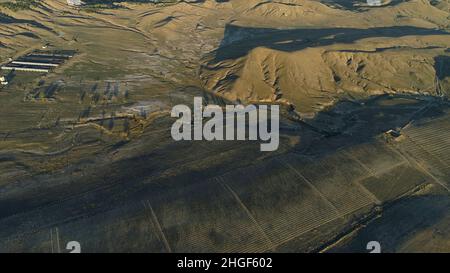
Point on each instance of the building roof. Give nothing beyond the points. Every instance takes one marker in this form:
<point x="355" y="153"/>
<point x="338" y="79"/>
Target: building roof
<point x="374" y="2"/>
<point x="74" y="2"/>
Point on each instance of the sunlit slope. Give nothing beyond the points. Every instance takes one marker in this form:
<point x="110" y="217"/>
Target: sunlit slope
<point x="317" y="76"/>
<point x="396" y="48"/>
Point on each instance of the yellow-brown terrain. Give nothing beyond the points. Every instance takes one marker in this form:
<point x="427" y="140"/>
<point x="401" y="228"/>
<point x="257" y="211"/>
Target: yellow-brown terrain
<point x="86" y="152"/>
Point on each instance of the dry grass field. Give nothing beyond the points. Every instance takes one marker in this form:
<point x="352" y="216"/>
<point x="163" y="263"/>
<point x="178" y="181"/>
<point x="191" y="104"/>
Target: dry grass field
<point x="86" y="152"/>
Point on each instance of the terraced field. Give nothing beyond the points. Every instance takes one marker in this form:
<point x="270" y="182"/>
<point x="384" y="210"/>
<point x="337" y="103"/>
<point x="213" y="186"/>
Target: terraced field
<point x="429" y="144"/>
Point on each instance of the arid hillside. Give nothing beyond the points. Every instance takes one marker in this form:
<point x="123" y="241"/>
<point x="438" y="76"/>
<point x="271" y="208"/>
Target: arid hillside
<point x="325" y="54"/>
<point x="86" y="152"/>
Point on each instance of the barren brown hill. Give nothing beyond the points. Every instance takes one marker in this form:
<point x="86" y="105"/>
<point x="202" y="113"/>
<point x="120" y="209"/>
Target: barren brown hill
<point x="334" y="54"/>
<point x="86" y="152"/>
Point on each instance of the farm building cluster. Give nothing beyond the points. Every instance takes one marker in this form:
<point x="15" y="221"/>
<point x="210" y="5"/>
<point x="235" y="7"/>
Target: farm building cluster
<point x="39" y="61"/>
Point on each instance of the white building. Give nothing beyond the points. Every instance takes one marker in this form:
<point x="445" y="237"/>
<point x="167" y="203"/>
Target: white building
<point x="3" y="80"/>
<point x="35" y="63"/>
<point x="374" y="3"/>
<point x="75" y="3"/>
<point x="26" y="69"/>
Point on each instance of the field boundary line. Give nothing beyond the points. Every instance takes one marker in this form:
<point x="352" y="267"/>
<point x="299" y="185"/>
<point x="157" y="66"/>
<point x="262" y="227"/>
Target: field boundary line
<point x="155" y="222"/>
<point x="437" y="180"/>
<point x="371" y="173"/>
<point x="247" y="211"/>
<point x="311" y="185"/>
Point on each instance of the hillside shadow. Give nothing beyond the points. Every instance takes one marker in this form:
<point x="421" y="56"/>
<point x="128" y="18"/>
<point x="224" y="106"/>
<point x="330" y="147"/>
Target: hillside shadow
<point x="6" y="19"/>
<point x="239" y="41"/>
<point x="349" y="123"/>
<point x="359" y="122"/>
<point x="442" y="66"/>
<point x="399" y="224"/>
<point x="139" y="177"/>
